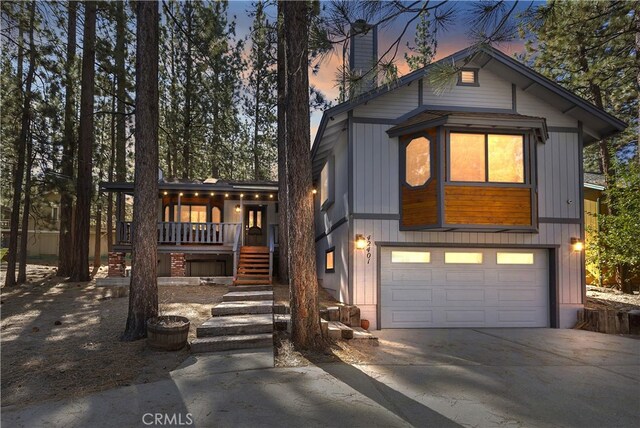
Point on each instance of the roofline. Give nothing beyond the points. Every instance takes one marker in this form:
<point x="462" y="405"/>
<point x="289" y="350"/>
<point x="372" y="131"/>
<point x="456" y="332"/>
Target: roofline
<point x="538" y="78"/>
<point x="594" y="186"/>
<point x="126" y="186"/>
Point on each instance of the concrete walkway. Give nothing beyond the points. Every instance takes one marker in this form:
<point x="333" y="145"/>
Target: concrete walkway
<point x="436" y="378"/>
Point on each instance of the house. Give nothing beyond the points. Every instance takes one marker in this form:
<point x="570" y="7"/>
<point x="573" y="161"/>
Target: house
<point x="594" y="186"/>
<point x="461" y="209"/>
<point x="204" y="226"/>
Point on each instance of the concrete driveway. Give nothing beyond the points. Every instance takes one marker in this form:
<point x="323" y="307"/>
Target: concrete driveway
<point x="434" y="378"/>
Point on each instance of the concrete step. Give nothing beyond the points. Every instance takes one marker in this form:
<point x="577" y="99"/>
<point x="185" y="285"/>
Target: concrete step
<point x="362" y="334"/>
<point x="243" y="308"/>
<point x="337" y="330"/>
<point x="257" y="287"/>
<point x="227" y="343"/>
<point x="236" y="324"/>
<point x="240" y="296"/>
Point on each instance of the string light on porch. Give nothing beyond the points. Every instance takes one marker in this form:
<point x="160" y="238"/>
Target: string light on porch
<point x="271" y="196"/>
<point x="166" y="193"/>
<point x="181" y="194"/>
<point x="213" y="194"/>
<point x="257" y="196"/>
<point x="196" y="193"/>
<point x="226" y="195"/>
<point x="241" y="195"/>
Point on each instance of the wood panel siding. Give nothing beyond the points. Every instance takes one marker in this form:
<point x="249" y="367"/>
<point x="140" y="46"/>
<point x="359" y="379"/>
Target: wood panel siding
<point x="420" y="206"/>
<point x="475" y="205"/>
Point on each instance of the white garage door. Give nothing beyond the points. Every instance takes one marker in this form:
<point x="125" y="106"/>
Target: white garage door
<point x="464" y="287"/>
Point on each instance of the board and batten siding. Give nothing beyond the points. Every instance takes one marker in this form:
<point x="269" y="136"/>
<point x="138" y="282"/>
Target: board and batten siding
<point x="332" y="228"/>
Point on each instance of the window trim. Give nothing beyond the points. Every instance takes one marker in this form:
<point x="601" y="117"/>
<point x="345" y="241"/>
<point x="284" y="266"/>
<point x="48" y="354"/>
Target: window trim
<point x="526" y="142"/>
<point x="326" y="253"/>
<point x="405" y="141"/>
<point x="476" y="81"/>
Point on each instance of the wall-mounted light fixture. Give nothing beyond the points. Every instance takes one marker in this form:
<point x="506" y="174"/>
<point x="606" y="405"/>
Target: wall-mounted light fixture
<point x="577" y="245"/>
<point x="361" y="242"/>
<point x="237" y="208"/>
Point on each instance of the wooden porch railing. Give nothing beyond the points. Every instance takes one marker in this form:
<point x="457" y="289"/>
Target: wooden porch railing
<point x="185" y="233"/>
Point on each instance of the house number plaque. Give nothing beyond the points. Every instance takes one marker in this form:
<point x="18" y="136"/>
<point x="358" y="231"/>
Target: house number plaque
<point x="368" y="249"/>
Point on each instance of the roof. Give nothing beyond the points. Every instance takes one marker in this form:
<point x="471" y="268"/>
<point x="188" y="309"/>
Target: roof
<point x="204" y="186"/>
<point x="430" y="118"/>
<point x="595" y="181"/>
<point x="598" y="123"/>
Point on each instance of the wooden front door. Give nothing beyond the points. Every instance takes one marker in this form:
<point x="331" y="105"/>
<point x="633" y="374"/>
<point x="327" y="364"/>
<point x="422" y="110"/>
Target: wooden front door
<point x="255" y="225"/>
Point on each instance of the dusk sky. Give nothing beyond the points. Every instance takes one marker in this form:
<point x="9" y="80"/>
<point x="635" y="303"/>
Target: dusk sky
<point x="454" y="39"/>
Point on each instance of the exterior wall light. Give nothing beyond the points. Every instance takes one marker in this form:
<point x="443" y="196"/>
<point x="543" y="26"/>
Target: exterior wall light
<point x="577" y="245"/>
<point x="361" y="242"/>
<point x="237" y="208"/>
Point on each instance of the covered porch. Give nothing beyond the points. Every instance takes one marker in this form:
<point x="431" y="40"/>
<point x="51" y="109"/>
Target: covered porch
<point x="201" y="226"/>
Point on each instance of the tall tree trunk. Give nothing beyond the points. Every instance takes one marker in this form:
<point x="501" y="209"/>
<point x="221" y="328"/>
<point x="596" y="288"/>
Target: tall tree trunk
<point x="121" y="94"/>
<point x="283" y="231"/>
<point x="305" y="332"/>
<point x="636" y="18"/>
<point x="256" y="127"/>
<point x="112" y="162"/>
<point x="26" y="211"/>
<point x="97" y="242"/>
<point x="143" y="295"/>
<point x="84" y="184"/>
<point x="186" y="151"/>
<point x="21" y="148"/>
<point x="65" y="239"/>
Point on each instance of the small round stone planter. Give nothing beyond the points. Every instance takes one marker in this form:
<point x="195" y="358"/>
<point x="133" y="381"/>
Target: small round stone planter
<point x="167" y="332"/>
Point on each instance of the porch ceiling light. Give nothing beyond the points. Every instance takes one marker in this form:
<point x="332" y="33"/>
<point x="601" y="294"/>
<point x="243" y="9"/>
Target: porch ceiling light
<point x="237" y="208"/>
<point x="361" y="242"/>
<point x="577" y="245"/>
<point x="226" y="195"/>
<point x="181" y="194"/>
<point x="314" y="191"/>
<point x="241" y="195"/>
<point x="213" y="194"/>
<point x="271" y="196"/>
<point x="166" y="193"/>
<point x="257" y="196"/>
<point x="196" y="193"/>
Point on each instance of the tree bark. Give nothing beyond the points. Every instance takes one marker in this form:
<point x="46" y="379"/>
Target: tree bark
<point x="283" y="235"/>
<point x="26" y="211"/>
<point x="186" y="148"/>
<point x="65" y="239"/>
<point x="21" y="149"/>
<point x="305" y="332"/>
<point x="143" y="295"/>
<point x="80" y="268"/>
<point x="636" y="18"/>
<point x="98" y="238"/>
<point x="110" y="174"/>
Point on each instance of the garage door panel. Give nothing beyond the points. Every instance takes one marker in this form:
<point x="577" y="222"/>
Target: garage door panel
<point x="456" y="295"/>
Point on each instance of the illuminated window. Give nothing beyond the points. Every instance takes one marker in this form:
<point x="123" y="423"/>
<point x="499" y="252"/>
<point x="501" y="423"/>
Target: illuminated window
<point x="495" y="158"/>
<point x="410" y="257"/>
<point x="326" y="184"/>
<point x="514" y="258"/>
<point x="216" y="215"/>
<point x="463" y="258"/>
<point x="191" y="213"/>
<point x="329" y="261"/>
<point x="468" y="78"/>
<point x="418" y="161"/>
<point x="467" y="157"/>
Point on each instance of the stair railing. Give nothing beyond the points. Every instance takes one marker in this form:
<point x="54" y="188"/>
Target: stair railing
<point x="236" y="250"/>
<point x="272" y="244"/>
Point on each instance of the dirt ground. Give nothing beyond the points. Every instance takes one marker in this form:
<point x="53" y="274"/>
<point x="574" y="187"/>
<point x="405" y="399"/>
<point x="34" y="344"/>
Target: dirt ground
<point x="608" y="298"/>
<point x="61" y="339"/>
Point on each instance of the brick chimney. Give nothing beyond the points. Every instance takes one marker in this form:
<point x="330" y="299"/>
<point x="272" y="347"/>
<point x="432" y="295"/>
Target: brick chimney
<point x="363" y="54"/>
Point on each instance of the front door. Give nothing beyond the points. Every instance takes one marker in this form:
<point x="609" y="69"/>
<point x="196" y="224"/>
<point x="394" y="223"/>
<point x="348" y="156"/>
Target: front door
<point x="255" y="225"/>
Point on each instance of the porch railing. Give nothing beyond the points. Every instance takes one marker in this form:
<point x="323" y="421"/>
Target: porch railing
<point x="176" y="233"/>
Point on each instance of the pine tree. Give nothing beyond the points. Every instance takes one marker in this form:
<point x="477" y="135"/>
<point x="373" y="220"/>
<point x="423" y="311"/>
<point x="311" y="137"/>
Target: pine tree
<point x="426" y="43"/>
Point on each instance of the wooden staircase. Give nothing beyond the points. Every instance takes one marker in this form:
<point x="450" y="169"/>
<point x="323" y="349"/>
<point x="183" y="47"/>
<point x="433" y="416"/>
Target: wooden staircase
<point x="254" y="266"/>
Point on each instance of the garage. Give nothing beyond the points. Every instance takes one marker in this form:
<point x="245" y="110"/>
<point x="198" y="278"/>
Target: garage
<point x="463" y="287"/>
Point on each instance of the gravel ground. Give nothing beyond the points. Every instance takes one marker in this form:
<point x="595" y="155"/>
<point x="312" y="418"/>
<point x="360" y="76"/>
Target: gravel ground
<point x="607" y="298"/>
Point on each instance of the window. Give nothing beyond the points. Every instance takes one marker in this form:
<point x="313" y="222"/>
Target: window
<point x="329" y="261"/>
<point x="418" y="162"/>
<point x="216" y="215"/>
<point x="410" y="257"/>
<point x="514" y="258"/>
<point x="463" y="258"/>
<point x="54" y="213"/>
<point x="468" y="77"/>
<point x="326" y="185"/>
<point x="495" y="158"/>
<point x="190" y="213"/>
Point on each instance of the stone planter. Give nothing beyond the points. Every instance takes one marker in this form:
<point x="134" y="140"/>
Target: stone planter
<point x="167" y="332"/>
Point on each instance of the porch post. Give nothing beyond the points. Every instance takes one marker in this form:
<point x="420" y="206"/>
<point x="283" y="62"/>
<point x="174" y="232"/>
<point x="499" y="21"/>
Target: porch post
<point x="179" y="234"/>
<point x="242" y="219"/>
